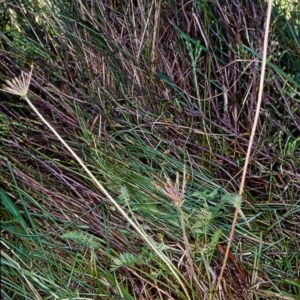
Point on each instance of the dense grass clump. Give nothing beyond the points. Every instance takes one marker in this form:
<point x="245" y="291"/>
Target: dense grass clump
<point x="156" y="99"/>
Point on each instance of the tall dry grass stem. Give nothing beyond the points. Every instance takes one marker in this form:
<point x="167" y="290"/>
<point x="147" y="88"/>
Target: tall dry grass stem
<point x="19" y="87"/>
<point x="258" y="106"/>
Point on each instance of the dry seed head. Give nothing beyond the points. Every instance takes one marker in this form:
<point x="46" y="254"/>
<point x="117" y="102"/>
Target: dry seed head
<point x="172" y="190"/>
<point x="19" y="85"/>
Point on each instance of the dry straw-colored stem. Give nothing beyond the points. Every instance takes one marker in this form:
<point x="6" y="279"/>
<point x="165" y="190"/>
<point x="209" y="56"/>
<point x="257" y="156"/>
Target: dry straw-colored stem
<point x="19" y="86"/>
<point x="259" y="100"/>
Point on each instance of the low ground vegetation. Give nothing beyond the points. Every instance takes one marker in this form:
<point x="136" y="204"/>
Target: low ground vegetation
<point x="158" y="99"/>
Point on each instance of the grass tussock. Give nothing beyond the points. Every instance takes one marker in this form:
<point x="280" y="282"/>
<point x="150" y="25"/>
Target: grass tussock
<point x="157" y="101"/>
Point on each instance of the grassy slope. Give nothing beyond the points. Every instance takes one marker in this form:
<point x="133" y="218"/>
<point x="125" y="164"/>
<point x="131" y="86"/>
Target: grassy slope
<point x="141" y="92"/>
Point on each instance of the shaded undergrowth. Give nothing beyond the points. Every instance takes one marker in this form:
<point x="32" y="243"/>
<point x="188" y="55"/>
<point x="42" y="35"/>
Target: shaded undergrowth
<point x="144" y="93"/>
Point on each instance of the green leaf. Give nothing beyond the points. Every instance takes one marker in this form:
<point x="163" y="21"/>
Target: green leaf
<point x="11" y="207"/>
<point x="278" y="70"/>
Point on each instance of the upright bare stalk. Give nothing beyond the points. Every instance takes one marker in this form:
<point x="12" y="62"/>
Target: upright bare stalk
<point x="259" y="100"/>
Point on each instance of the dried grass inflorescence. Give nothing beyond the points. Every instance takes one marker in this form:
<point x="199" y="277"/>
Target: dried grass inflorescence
<point x="19" y="85"/>
<point x="172" y="190"/>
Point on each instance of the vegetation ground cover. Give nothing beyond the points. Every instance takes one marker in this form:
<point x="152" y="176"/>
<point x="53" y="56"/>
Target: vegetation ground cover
<point x="158" y="99"/>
